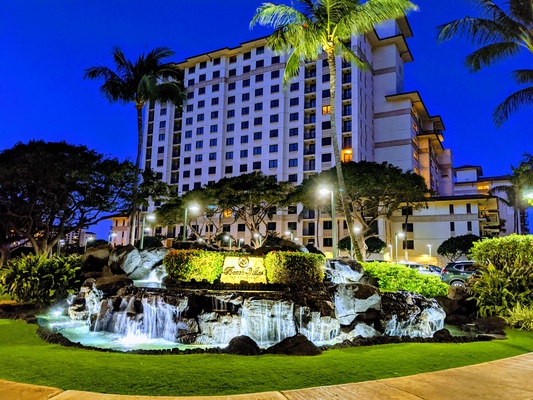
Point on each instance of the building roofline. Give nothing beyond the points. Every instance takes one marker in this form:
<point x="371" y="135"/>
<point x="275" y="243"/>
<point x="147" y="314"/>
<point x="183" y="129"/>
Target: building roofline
<point x="421" y="108"/>
<point x="462" y="197"/>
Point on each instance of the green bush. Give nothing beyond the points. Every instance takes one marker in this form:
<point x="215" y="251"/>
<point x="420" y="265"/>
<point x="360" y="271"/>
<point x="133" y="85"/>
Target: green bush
<point x="293" y="268"/>
<point x="498" y="290"/>
<point x="504" y="251"/>
<point x="186" y="265"/>
<point x="520" y="317"/>
<point x="393" y="277"/>
<point x="41" y="280"/>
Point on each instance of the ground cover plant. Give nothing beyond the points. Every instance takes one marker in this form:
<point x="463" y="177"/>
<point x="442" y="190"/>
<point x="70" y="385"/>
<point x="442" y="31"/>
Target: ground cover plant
<point x="34" y="361"/>
<point x="394" y="277"/>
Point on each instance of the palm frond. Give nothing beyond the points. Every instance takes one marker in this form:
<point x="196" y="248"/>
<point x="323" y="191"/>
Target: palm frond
<point x="348" y="55"/>
<point x="479" y="31"/>
<point x="522" y="10"/>
<point x="511" y="104"/>
<point x="523" y="76"/>
<point x="373" y="12"/>
<point x="277" y="15"/>
<point x="491" y="54"/>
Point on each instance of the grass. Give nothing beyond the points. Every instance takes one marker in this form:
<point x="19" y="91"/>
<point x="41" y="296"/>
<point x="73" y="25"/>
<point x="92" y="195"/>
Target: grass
<point x="28" y="359"/>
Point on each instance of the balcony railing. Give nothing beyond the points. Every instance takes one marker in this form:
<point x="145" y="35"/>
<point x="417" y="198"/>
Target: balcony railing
<point x="309" y="152"/>
<point x="310" y="89"/>
<point x="309" y="135"/>
<point x="310" y="74"/>
<point x="309" y="166"/>
<point x="310" y="120"/>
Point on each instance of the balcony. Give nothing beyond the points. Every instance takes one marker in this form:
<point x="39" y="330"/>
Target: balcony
<point x="310" y="166"/>
<point x="346" y="79"/>
<point x="308" y="214"/>
<point x="346" y="64"/>
<point x="347" y="111"/>
<point x="310" y="74"/>
<point x="310" y="120"/>
<point x="310" y="135"/>
<point x="310" y="89"/>
<point x="309" y="151"/>
<point x="308" y="232"/>
<point x="346" y="128"/>
<point x="311" y="104"/>
<point x="347" y="95"/>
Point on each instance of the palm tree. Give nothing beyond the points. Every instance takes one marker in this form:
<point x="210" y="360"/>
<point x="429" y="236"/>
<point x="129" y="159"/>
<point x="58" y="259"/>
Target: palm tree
<point x="500" y="34"/>
<point x="326" y="26"/>
<point x="145" y="80"/>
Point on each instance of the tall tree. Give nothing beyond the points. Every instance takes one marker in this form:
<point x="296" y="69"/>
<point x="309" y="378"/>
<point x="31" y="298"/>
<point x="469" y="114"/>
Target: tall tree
<point x="500" y="34"/>
<point x="317" y="26"/>
<point x="48" y="190"/>
<point x="373" y="191"/>
<point x="145" y="80"/>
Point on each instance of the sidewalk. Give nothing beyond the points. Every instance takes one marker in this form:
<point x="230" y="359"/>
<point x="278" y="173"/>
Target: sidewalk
<point x="507" y="379"/>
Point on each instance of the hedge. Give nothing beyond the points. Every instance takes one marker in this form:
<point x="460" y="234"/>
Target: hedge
<point x="294" y="269"/>
<point x="504" y="251"/>
<point x="186" y="265"/>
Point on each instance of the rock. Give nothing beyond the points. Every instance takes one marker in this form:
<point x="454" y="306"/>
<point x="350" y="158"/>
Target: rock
<point x="458" y="293"/>
<point x="442" y="335"/>
<point x="110" y="285"/>
<point x="95" y="258"/>
<point x="242" y="346"/>
<point x="343" y="270"/>
<point x="118" y="257"/>
<point x="352" y="299"/>
<point x="297" y="345"/>
<point x="364" y="330"/>
<point x="150" y="260"/>
<point x="491" y="325"/>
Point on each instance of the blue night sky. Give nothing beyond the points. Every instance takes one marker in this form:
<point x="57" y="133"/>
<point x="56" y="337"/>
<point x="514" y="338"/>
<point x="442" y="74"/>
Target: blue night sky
<point x="47" y="45"/>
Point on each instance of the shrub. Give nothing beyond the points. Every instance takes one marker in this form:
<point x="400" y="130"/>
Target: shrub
<point x="41" y="280"/>
<point x="393" y="277"/>
<point x="457" y="246"/>
<point x="520" y="317"/>
<point x="186" y="265"/>
<point x="504" y="251"/>
<point x="293" y="268"/>
<point x="498" y="290"/>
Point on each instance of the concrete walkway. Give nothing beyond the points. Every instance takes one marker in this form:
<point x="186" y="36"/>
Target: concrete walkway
<point x="507" y="379"/>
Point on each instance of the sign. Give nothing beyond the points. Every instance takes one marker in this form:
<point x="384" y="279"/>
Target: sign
<point x="249" y="269"/>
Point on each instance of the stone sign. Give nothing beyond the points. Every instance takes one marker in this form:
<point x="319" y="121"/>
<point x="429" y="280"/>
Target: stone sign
<point x="249" y="269"/>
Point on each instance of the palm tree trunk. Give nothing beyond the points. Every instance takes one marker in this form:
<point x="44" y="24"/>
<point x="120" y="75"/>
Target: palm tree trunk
<point x="133" y="217"/>
<point x="337" y="154"/>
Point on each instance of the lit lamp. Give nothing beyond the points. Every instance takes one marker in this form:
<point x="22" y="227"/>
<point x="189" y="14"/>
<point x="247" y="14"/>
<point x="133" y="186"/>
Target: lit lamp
<point x="228" y="238"/>
<point x="258" y="236"/>
<point x="59" y="244"/>
<point x="390" y="252"/>
<point x="429" y="249"/>
<point x="111" y="236"/>
<point x="323" y="192"/>
<point x="149" y="217"/>
<point x="400" y="235"/>
<point x="193" y="208"/>
<point x="241" y="240"/>
<point x="357" y="231"/>
<point x="89" y="239"/>
<point x="291" y="234"/>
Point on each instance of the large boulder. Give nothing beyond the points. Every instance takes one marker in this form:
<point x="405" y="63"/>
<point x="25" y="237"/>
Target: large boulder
<point x="297" y="345"/>
<point x="460" y="309"/>
<point x="96" y="258"/>
<point x="243" y="346"/>
<point x="353" y="299"/>
<point x="343" y="270"/>
<point x="110" y="285"/>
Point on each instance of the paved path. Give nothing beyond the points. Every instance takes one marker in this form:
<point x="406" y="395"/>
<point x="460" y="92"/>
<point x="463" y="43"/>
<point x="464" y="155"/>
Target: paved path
<point x="507" y="379"/>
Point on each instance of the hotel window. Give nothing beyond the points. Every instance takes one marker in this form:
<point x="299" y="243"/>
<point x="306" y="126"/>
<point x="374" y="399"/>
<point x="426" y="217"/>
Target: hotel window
<point x="469" y="226"/>
<point x="201" y="90"/>
<point x="275" y="60"/>
<point x="326" y="157"/>
<point x="245" y="96"/>
<point x="162" y="124"/>
<point x="201" y="104"/>
<point x="408" y="244"/>
<point x="188" y="121"/>
<point x="293" y="147"/>
<point x="203" y="64"/>
<point x="245" y="83"/>
<point x="216" y="74"/>
<point x="273" y="148"/>
<point x="232" y="72"/>
<point x="200" y="117"/>
<point x="213" y="128"/>
<point x="244" y="139"/>
<point x="273" y="133"/>
<point x="468" y="208"/>
<point x="258" y="106"/>
<point x="258" y="121"/>
<point x="271" y="226"/>
<point x="258" y="135"/>
<point x="246" y="69"/>
<point x="216" y="61"/>
<point x="188" y="134"/>
<point x="408" y="227"/>
<point x="294" y="101"/>
<point x="326" y="125"/>
<point x="186" y="174"/>
<point x="326" y="141"/>
<point x="274" y="74"/>
<point x="160" y="163"/>
<point x="274" y="103"/>
<point x="293" y="162"/>
<point x="258" y="92"/>
<point x="293" y="132"/>
<point x="274" y="89"/>
<point x="215" y="88"/>
<point x="163" y="111"/>
<point x="327" y="242"/>
<point x="452" y="226"/>
<point x="293" y="117"/>
<point x="214" y="114"/>
<point x="190" y="82"/>
<point x="232" y="86"/>
<point x="407" y="210"/>
<point x="190" y="95"/>
<point x="212" y="156"/>
<point x="327" y="225"/>
<point x="190" y="107"/>
<point x="200" y="144"/>
<point x="241" y="228"/>
<point x="325" y="78"/>
<point x="192" y="70"/>
<point x="200" y="131"/>
<point x="212" y="170"/>
<point x="293" y="178"/>
<point x="233" y="59"/>
<point x="197" y="171"/>
<point x="161" y="136"/>
<point x="229" y="155"/>
<point x="274" y="118"/>
<point x="230" y="127"/>
<point x="256" y="165"/>
<point x="230" y="141"/>
<point x="326" y="93"/>
<point x="198" y="158"/>
<point x="245" y="111"/>
<point x="201" y="78"/>
<point x="292" y="209"/>
<point x="212" y="142"/>
<point x="230" y="114"/>
<point x="260" y="50"/>
<point x="451" y="209"/>
<point x="273" y="164"/>
<point x="243" y="168"/>
<point x="326" y="110"/>
<point x="185" y="188"/>
<point x="247" y="55"/>
<point x="259" y="64"/>
<point x="257" y="150"/>
<point x="245" y="125"/>
<point x="259" y="78"/>
<point x="294" y="86"/>
<point x="228" y="169"/>
<point x="231" y="99"/>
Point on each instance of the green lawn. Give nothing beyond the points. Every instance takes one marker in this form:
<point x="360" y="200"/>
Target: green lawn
<point x="27" y="358"/>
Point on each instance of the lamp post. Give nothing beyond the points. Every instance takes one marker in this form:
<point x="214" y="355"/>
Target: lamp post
<point x="324" y="191"/>
<point x="396" y="236"/>
<point x="89" y="239"/>
<point x="390" y="252"/>
<point x="193" y="208"/>
<point x="241" y="240"/>
<point x="257" y="235"/>
<point x="59" y="244"/>
<point x="111" y="236"/>
<point x="429" y="249"/>
<point x="291" y="234"/>
<point x="228" y="238"/>
<point x="357" y="231"/>
<point x="149" y="217"/>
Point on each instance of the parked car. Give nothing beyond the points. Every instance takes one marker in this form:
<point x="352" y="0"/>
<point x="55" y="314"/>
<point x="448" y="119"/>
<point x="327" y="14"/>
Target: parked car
<point x="457" y="273"/>
<point x="421" y="268"/>
<point x="434" y="268"/>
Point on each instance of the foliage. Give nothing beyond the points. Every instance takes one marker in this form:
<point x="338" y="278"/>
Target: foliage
<point x="373" y="244"/>
<point x="294" y="268"/>
<point x="314" y="27"/>
<point x="506" y="251"/>
<point x="39" y="280"/>
<point x="147" y="79"/>
<point x="151" y="242"/>
<point x="49" y="189"/>
<point x="393" y="277"/>
<point x="520" y="317"/>
<point x="186" y="265"/>
<point x="500" y="34"/>
<point x="457" y="246"/>
<point x="522" y="179"/>
<point x="35" y="362"/>
<point x="96" y="243"/>
<point x="498" y="289"/>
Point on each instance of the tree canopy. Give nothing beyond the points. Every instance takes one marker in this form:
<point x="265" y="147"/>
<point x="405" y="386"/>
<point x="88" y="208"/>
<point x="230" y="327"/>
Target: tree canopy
<point x="457" y="246"/>
<point x="50" y="189"/>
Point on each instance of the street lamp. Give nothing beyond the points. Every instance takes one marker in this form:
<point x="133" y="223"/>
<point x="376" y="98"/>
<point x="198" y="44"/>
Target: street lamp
<point x="228" y="238"/>
<point x="429" y="248"/>
<point x="111" y="236"/>
<point x="149" y="217"/>
<point x="357" y="231"/>
<point x="396" y="236"/>
<point x="59" y="244"/>
<point x="241" y="240"/>
<point x="323" y="192"/>
<point x="291" y="234"/>
<point x="193" y="208"/>
<point x="89" y="239"/>
<point x="390" y="252"/>
<point x="258" y="236"/>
